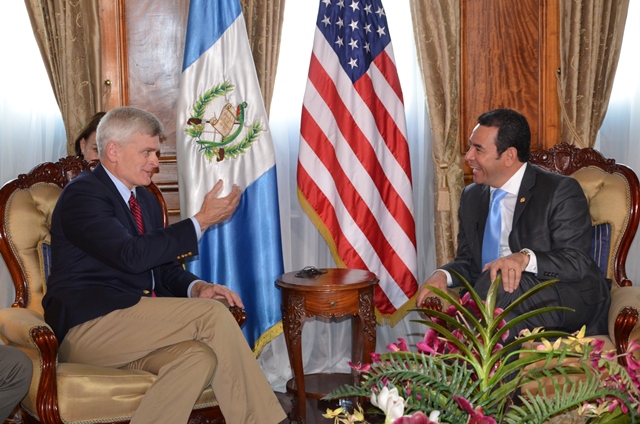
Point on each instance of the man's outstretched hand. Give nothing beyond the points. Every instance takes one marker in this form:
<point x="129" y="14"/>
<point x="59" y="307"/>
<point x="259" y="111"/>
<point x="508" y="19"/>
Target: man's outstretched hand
<point x="216" y="209"/>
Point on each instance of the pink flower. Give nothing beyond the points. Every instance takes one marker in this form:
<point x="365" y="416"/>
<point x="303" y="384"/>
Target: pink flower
<point x="464" y="300"/>
<point x="460" y="336"/>
<point x="360" y="367"/>
<point x="451" y="311"/>
<point x="401" y="346"/>
<point x="419" y="418"/>
<point x="476" y="416"/>
<point x="497" y="312"/>
<point x="468" y="302"/>
<point x="431" y="343"/>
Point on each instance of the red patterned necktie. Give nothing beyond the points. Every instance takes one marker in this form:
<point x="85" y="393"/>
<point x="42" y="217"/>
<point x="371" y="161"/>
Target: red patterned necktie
<point x="137" y="213"/>
<point x="137" y="216"/>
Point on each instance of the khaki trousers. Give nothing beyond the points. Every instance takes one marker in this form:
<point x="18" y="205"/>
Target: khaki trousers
<point x="189" y="344"/>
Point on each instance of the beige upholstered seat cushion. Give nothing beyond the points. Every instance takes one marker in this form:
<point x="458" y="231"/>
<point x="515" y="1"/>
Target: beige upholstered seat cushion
<point x="90" y="394"/>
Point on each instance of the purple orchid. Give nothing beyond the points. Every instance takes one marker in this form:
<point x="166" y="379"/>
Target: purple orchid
<point x="401" y="346"/>
<point x="476" y="416"/>
<point x="360" y="367"/>
<point x="419" y="418"/>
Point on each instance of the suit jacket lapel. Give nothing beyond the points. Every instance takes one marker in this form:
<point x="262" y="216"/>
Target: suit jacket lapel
<point x="524" y="194"/>
<point x="101" y="174"/>
<point x="483" y="209"/>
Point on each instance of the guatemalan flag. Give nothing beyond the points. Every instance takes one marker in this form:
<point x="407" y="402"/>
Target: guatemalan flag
<point x="354" y="172"/>
<point x="222" y="132"/>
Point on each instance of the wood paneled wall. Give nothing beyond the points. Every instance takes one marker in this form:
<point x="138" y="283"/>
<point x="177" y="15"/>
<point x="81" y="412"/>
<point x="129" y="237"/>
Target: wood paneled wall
<point x="509" y="59"/>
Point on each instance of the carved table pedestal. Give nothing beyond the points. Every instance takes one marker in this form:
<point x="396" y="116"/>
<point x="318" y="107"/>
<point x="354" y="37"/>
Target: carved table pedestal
<point x="336" y="293"/>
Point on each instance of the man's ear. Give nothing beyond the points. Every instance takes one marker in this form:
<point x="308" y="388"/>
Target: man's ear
<point x="512" y="155"/>
<point x="112" y="151"/>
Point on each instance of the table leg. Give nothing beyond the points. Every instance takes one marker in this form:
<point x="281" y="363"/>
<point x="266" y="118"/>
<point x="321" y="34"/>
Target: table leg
<point x="368" y="316"/>
<point x="293" y="315"/>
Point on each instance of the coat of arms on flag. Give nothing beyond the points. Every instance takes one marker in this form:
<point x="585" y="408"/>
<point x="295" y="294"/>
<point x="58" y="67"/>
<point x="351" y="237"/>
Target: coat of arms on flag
<point x="219" y="127"/>
<point x="354" y="172"/>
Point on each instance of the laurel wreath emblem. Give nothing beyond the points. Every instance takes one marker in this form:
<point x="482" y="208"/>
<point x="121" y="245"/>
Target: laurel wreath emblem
<point x="195" y="130"/>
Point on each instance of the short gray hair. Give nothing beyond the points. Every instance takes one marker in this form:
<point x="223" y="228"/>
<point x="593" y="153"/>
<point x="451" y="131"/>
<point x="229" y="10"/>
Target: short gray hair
<point x="121" y="123"/>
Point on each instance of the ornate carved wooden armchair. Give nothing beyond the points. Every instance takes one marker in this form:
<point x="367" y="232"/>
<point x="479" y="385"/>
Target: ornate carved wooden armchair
<point x="613" y="194"/>
<point x="63" y="392"/>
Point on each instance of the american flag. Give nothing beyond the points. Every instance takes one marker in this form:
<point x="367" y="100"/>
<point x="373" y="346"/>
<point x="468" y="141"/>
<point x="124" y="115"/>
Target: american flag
<point x="354" y="173"/>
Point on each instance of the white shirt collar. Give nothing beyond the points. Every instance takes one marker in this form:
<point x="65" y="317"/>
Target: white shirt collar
<point x="122" y="189"/>
<point x="512" y="186"/>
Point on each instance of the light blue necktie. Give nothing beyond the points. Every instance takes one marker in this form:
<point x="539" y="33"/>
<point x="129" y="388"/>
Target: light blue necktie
<point x="493" y="229"/>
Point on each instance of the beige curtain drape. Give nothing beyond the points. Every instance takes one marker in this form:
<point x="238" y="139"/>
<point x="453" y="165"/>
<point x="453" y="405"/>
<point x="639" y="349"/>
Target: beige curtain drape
<point x="590" y="41"/>
<point x="68" y="35"/>
<point x="264" y="27"/>
<point x="437" y="33"/>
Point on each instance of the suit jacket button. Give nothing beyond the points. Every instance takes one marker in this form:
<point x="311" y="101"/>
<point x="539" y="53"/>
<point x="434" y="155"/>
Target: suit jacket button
<point x="145" y="291"/>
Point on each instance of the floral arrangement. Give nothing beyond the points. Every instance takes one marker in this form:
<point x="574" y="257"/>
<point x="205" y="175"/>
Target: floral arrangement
<point x="465" y="371"/>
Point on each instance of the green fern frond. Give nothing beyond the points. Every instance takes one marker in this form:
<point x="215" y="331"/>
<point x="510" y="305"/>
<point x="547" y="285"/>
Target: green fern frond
<point x="568" y="397"/>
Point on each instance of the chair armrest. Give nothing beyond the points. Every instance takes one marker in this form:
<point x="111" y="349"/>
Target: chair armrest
<point x="623" y="317"/>
<point x="238" y="313"/>
<point x="16" y="325"/>
<point x="436" y="303"/>
<point x="27" y="330"/>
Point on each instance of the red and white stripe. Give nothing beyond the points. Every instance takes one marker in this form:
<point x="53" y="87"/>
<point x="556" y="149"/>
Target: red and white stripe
<point x="354" y="171"/>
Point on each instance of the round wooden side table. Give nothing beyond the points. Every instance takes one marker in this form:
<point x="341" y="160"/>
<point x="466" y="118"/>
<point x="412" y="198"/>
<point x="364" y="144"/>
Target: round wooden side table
<point x="335" y="293"/>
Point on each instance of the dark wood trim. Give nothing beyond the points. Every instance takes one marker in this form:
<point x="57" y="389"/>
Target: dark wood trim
<point x="549" y="128"/>
<point x="115" y="64"/>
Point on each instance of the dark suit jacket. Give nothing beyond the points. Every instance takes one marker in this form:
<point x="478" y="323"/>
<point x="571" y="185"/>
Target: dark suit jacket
<point x="99" y="261"/>
<point x="552" y="219"/>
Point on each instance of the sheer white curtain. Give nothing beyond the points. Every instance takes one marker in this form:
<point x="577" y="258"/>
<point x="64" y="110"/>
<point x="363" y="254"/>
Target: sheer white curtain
<point x="327" y="344"/>
<point x="31" y="128"/>
<point x="619" y="135"/>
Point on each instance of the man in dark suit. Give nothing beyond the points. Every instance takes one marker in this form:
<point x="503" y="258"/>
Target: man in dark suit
<point x="118" y="297"/>
<point x="545" y="233"/>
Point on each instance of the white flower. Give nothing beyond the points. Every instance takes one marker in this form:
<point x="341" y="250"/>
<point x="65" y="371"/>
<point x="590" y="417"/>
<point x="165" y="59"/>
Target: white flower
<point x="435" y="416"/>
<point x="390" y="402"/>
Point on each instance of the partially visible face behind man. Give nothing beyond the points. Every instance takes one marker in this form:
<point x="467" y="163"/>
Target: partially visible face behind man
<point x="135" y="161"/>
<point x="488" y="167"/>
<point x="89" y="148"/>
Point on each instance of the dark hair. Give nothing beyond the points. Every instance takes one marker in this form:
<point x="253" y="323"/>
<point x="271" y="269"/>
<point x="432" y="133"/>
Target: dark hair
<point x="513" y="131"/>
<point x="89" y="128"/>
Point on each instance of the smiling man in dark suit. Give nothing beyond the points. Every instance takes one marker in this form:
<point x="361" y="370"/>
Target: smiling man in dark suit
<point x="544" y="232"/>
<point x="118" y="297"/>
